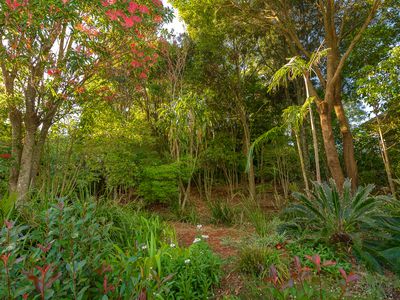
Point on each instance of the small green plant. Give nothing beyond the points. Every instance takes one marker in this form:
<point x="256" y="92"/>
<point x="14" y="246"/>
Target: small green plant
<point x="326" y="252"/>
<point x="255" y="260"/>
<point x="222" y="212"/>
<point x="81" y="251"/>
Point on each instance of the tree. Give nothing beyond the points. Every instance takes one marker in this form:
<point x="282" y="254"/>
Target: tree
<point x="380" y="89"/>
<point x="49" y="50"/>
<point x="233" y="60"/>
<point x="298" y="67"/>
<point x="340" y="25"/>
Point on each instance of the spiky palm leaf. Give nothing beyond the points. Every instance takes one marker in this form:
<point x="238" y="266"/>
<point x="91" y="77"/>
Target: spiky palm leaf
<point x="358" y="219"/>
<point x="332" y="213"/>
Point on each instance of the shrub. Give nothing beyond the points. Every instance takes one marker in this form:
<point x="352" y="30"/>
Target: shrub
<point x="222" y="212"/>
<point x="359" y="221"/>
<point x="335" y="215"/>
<point x="160" y="184"/>
<point x="194" y="271"/>
<point x="255" y="260"/>
<point x="308" y="248"/>
<point x="307" y="282"/>
<point x="73" y="250"/>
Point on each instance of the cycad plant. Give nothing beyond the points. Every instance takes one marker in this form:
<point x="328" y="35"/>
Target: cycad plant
<point x="365" y="224"/>
<point x="335" y="215"/>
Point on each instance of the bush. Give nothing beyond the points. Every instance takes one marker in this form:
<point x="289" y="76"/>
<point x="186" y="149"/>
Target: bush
<point x="194" y="272"/>
<point x="74" y="250"/>
<point x="222" y="212"/>
<point x="358" y="221"/>
<point x="334" y="215"/>
<point x="160" y="184"/>
<point x="255" y="260"/>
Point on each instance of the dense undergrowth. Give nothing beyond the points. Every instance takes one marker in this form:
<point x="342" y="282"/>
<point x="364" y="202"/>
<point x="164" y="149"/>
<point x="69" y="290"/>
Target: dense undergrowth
<point x="82" y="250"/>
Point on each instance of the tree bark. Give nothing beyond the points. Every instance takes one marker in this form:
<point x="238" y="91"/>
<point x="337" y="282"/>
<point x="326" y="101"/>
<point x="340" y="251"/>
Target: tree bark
<point x="329" y="143"/>
<point x="16" y="147"/>
<point x="314" y="135"/>
<point x="38" y="150"/>
<point x="347" y="138"/>
<point x="24" y="177"/>
<point x="302" y="165"/>
<point x="385" y="158"/>
<point x="246" y="150"/>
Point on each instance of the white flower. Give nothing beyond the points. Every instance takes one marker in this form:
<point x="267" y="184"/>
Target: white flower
<point x="199" y="227"/>
<point x="172" y="245"/>
<point x="187" y="261"/>
<point x="205" y="236"/>
<point x="196" y="240"/>
<point x="144" y="247"/>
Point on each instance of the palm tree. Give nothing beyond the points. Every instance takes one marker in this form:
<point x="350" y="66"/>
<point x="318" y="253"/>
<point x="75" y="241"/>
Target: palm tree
<point x="293" y="117"/>
<point x="295" y="68"/>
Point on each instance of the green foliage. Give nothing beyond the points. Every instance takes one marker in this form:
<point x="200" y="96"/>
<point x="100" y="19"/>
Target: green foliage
<point x="256" y="260"/>
<point x="7" y="204"/>
<point x="334" y="215"/>
<point x="80" y="251"/>
<point x="357" y="221"/>
<point x="195" y="271"/>
<point x="160" y="183"/>
<point x="326" y="252"/>
<point x="222" y="212"/>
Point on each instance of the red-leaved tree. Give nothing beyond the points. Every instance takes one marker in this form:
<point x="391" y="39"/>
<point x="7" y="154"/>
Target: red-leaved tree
<point x="49" y="51"/>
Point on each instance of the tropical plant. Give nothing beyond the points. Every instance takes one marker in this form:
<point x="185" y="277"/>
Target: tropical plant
<point x="301" y="284"/>
<point x="297" y="67"/>
<point x="334" y="215"/>
<point x="366" y="225"/>
<point x="80" y="250"/>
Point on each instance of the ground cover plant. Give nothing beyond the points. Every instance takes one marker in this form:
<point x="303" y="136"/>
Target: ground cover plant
<point x="74" y="250"/>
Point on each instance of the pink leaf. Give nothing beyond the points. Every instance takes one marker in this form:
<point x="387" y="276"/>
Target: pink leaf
<point x="128" y="22"/>
<point x="352" y="277"/>
<point x="144" y="9"/>
<point x="343" y="273"/>
<point x="157" y="19"/>
<point x="143" y="75"/>
<point x="136" y="64"/>
<point x="328" y="263"/>
<point x="133" y="7"/>
<point x="157" y="2"/>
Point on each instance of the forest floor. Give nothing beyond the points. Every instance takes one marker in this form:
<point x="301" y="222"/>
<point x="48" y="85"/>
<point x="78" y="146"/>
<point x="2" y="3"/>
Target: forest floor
<point x="232" y="282"/>
<point x="224" y="239"/>
<point x="221" y="239"/>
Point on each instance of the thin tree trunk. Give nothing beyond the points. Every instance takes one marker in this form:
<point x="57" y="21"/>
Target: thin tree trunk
<point x="246" y="148"/>
<point x="303" y="168"/>
<point x="385" y="158"/>
<point x="314" y="136"/>
<point x="16" y="152"/>
<point x="24" y="177"/>
<point x="38" y="151"/>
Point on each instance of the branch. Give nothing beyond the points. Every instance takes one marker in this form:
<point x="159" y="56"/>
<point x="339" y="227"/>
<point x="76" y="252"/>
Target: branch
<point x="355" y="40"/>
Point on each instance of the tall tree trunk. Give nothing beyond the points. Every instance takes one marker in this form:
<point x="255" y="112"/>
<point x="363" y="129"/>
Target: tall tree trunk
<point x="24" y="177"/>
<point x="16" y="152"/>
<point x="347" y="138"/>
<point x="302" y="165"/>
<point x="332" y="156"/>
<point x="314" y="135"/>
<point x="246" y="151"/>
<point x="385" y="158"/>
<point x="38" y="150"/>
